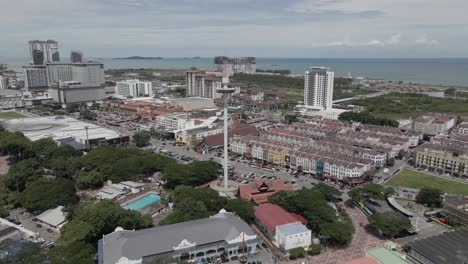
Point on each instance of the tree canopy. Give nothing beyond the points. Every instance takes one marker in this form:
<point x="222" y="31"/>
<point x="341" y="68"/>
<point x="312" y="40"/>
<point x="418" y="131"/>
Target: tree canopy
<point x="389" y="224"/>
<point x="44" y="194"/>
<point x="192" y="174"/>
<point x="312" y="204"/>
<point x="89" y="223"/>
<point x="88" y="114"/>
<point x="141" y="139"/>
<point x="195" y="203"/>
<point x="367" y="118"/>
<point x="430" y="197"/>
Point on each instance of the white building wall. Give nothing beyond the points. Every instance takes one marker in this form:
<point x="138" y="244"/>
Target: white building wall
<point x="318" y="87"/>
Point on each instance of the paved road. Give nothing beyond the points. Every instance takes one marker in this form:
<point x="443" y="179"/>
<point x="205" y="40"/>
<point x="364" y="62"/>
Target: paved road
<point x="381" y="177"/>
<point x="240" y="168"/>
<point x="31" y="225"/>
<point x="362" y="241"/>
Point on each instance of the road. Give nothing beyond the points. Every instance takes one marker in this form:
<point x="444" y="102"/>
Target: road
<point x="381" y="177"/>
<point x="239" y="167"/>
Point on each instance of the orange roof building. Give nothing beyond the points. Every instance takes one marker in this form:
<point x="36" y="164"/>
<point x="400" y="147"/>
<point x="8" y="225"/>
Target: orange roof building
<point x="259" y="190"/>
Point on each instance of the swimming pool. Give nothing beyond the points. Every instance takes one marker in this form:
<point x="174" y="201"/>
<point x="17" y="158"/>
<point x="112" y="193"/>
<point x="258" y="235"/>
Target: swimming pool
<point x="143" y="202"/>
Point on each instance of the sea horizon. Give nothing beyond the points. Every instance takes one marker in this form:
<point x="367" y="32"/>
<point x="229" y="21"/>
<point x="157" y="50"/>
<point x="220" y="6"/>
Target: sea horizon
<point x="435" y="71"/>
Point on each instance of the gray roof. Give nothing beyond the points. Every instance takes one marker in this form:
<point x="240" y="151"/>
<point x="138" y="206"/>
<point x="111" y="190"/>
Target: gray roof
<point x="55" y="217"/>
<point x="292" y="229"/>
<point x="450" y="247"/>
<point x="134" y="245"/>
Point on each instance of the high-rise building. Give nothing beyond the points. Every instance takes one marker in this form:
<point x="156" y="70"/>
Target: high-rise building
<point x="318" y="87"/>
<point x="76" y="56"/>
<point x="203" y="84"/>
<point x="71" y="92"/>
<point x="3" y="83"/>
<point x="231" y="66"/>
<point x="42" y="52"/>
<point x="35" y="78"/>
<point x="134" y="88"/>
<point x="90" y="74"/>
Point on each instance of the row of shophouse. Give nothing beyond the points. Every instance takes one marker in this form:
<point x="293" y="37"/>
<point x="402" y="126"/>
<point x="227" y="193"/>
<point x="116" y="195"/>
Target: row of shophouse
<point x="326" y="148"/>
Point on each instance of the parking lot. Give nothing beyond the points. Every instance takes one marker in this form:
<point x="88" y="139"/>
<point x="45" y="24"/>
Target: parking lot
<point x="28" y="223"/>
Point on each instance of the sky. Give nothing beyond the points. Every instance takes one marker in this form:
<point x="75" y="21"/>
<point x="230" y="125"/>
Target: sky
<point x="261" y="28"/>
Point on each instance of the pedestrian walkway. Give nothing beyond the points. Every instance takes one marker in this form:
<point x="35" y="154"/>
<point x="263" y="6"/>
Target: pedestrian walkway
<point x="362" y="241"/>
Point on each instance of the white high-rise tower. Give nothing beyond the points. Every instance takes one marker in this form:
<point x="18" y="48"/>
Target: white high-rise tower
<point x="318" y="87"/>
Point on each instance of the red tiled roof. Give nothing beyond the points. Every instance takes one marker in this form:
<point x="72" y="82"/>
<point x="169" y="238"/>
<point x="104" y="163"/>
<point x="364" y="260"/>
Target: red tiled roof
<point x="272" y="215"/>
<point x="259" y="190"/>
<point x="239" y="130"/>
<point x="442" y="119"/>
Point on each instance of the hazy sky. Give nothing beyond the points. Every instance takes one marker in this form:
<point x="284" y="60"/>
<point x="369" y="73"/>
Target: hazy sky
<point x="262" y="28"/>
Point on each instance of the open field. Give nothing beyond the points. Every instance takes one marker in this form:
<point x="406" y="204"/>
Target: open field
<point x="418" y="180"/>
<point x="9" y="115"/>
<point x="396" y="105"/>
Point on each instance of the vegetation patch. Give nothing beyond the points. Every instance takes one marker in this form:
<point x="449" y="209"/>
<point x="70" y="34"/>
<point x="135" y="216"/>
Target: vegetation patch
<point x="418" y="180"/>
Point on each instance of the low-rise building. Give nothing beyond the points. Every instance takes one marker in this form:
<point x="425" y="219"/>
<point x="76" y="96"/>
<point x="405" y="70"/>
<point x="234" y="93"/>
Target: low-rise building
<point x="434" y="123"/>
<point x="11" y="99"/>
<point x="65" y="130"/>
<point x="444" y="155"/>
<point x="449" y="247"/>
<point x="224" y="236"/>
<point x="286" y="230"/>
<point x="463" y="128"/>
<point x="456" y="207"/>
<point x="54" y="218"/>
<point x="259" y="190"/>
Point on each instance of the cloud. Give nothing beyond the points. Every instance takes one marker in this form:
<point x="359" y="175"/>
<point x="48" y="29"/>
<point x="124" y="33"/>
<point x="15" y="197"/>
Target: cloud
<point x="203" y="27"/>
<point x="425" y="41"/>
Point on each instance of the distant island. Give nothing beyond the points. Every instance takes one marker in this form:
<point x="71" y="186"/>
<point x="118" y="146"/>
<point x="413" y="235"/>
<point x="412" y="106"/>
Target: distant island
<point x="139" y="58"/>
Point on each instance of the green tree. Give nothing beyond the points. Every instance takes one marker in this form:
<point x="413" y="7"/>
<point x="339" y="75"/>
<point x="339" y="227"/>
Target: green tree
<point x="337" y="233"/>
<point x="290" y="118"/>
<point x="193" y="174"/>
<point x="88" y="114"/>
<point x="355" y="194"/>
<point x="389" y="224"/>
<point x="91" y="222"/>
<point x="21" y="252"/>
<point x="72" y="108"/>
<point x="296" y="253"/>
<point x="23" y="172"/>
<point x="44" y="194"/>
<point x="430" y="197"/>
<point x="141" y="139"/>
<point x="76" y="252"/>
<point x="329" y="192"/>
<point x="314" y="249"/>
<point x="15" y="145"/>
<point x="243" y="208"/>
<point x="89" y="180"/>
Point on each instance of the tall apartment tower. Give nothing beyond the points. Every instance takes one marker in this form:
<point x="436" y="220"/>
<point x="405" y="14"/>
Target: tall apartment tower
<point x="76" y="56"/>
<point x="318" y="87"/>
<point x="42" y="52"/>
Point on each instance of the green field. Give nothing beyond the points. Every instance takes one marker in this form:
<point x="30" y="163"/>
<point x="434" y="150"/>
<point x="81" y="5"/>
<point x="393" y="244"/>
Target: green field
<point x="418" y="180"/>
<point x="396" y="105"/>
<point x="9" y="115"/>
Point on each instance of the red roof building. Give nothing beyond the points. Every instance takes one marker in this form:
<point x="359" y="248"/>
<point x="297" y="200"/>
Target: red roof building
<point x="215" y="141"/>
<point x="259" y="190"/>
<point x="272" y="215"/>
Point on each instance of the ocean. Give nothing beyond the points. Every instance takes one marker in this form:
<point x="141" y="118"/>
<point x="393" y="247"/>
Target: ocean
<point x="443" y="71"/>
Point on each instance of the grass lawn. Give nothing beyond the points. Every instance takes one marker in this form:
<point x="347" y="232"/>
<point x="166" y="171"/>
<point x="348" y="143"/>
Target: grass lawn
<point x="418" y="180"/>
<point x="9" y="115"/>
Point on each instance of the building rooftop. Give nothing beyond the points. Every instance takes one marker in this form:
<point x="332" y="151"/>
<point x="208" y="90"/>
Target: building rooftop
<point x="292" y="228"/>
<point x="387" y="256"/>
<point x="259" y="190"/>
<point x="272" y="215"/>
<point x="58" y="128"/>
<point x="53" y="217"/>
<point x="449" y="247"/>
<point x="224" y="227"/>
